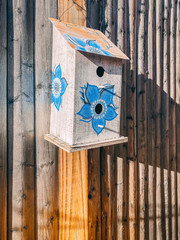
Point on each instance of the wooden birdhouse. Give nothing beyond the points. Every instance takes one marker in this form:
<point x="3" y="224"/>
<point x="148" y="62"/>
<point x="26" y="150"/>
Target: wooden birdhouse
<point x="85" y="88"/>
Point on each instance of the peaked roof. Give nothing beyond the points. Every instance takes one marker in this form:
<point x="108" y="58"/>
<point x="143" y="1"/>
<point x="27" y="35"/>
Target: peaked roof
<point x="88" y="39"/>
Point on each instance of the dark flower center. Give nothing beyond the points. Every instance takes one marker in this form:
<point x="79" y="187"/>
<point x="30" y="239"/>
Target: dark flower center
<point x="56" y="87"/>
<point x="98" y="108"/>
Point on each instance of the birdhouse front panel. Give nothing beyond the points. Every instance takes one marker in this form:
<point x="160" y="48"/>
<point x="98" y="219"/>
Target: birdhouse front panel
<point x="98" y="81"/>
<point x="62" y="88"/>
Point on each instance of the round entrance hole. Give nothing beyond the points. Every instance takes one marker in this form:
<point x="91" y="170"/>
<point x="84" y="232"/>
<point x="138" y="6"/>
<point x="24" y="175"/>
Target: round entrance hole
<point x="98" y="108"/>
<point x="100" y="71"/>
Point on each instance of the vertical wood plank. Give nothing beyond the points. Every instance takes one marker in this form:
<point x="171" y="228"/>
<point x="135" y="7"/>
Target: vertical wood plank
<point x="165" y="121"/>
<point x="178" y="110"/>
<point x="172" y="116"/>
<point x="94" y="197"/>
<point x="46" y="154"/>
<point x="108" y="160"/>
<point x="131" y="37"/>
<point x="142" y="123"/>
<point x="151" y="122"/>
<point x="21" y="134"/>
<point x="120" y="190"/>
<point x="3" y="120"/>
<point x="73" y="199"/>
<point x="107" y="186"/>
<point x="69" y="11"/>
<point x="159" y="229"/>
<point x="121" y="151"/>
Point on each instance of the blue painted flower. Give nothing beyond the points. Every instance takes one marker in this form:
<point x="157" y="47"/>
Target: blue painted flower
<point x="86" y="45"/>
<point x="98" y="106"/>
<point x="58" y="86"/>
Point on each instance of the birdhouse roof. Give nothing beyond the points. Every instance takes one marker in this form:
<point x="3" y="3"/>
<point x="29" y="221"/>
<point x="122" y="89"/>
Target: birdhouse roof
<point x="88" y="40"/>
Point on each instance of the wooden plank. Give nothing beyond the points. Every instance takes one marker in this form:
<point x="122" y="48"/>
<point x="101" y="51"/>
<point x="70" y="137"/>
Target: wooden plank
<point x="3" y="120"/>
<point x="151" y="122"/>
<point x="21" y="125"/>
<point x="108" y="159"/>
<point x="120" y="191"/>
<point x="92" y="14"/>
<point x="142" y="124"/>
<point x="94" y="196"/>
<point x="46" y="154"/>
<point x="172" y="123"/>
<point x="10" y="94"/>
<point x="178" y="112"/>
<point x="159" y="227"/>
<point x="107" y="187"/>
<point x="165" y="122"/>
<point x="122" y="165"/>
<point x="132" y="168"/>
<point x="74" y="148"/>
<point x="178" y="201"/>
<point x="72" y="11"/>
<point x="132" y="201"/>
<point x="73" y="199"/>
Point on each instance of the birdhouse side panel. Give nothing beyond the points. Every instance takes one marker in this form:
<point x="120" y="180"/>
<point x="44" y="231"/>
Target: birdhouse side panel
<point x="98" y="81"/>
<point x="62" y="88"/>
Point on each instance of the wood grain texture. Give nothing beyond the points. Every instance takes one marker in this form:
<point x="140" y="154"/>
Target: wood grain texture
<point x="21" y="137"/>
<point x="121" y="150"/>
<point x="94" y="196"/>
<point x="172" y="123"/>
<point x="178" y="110"/>
<point x="108" y="159"/>
<point x="158" y="41"/>
<point x="142" y="123"/>
<point x="70" y="12"/>
<point x="151" y="122"/>
<point x="131" y="118"/>
<point x="73" y="199"/>
<point x="107" y="181"/>
<point x="46" y="154"/>
<point x="165" y="122"/>
<point x="3" y="120"/>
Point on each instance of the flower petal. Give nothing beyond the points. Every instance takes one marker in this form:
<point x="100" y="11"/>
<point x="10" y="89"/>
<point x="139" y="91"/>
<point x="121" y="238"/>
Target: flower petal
<point x="85" y="111"/>
<point x="63" y="85"/>
<point x="77" y="42"/>
<point x="57" y="102"/>
<point x="52" y="77"/>
<point x="96" y="122"/>
<point x="58" y="72"/>
<point x="106" y="53"/>
<point x="107" y="94"/>
<point x="93" y="43"/>
<point x="110" y="114"/>
<point x="52" y="97"/>
<point x="92" y="93"/>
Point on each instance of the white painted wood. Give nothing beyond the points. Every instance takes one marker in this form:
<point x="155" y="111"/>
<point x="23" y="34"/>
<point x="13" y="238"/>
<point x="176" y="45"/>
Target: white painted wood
<point x="86" y="66"/>
<point x="62" y="120"/>
<point x="74" y="148"/>
<point x="80" y="69"/>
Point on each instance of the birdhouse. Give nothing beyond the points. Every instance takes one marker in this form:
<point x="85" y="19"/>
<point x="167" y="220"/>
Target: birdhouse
<point x="85" y="88"/>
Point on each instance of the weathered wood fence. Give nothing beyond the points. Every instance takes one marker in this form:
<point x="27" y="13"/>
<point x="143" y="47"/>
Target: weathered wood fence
<point x="133" y="189"/>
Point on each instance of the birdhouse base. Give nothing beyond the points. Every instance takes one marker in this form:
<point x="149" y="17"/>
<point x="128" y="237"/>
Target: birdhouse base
<point x="74" y="148"/>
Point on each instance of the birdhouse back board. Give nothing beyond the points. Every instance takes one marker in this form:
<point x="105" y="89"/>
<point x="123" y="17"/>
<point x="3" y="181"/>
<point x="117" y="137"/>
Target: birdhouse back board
<point x="98" y="81"/>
